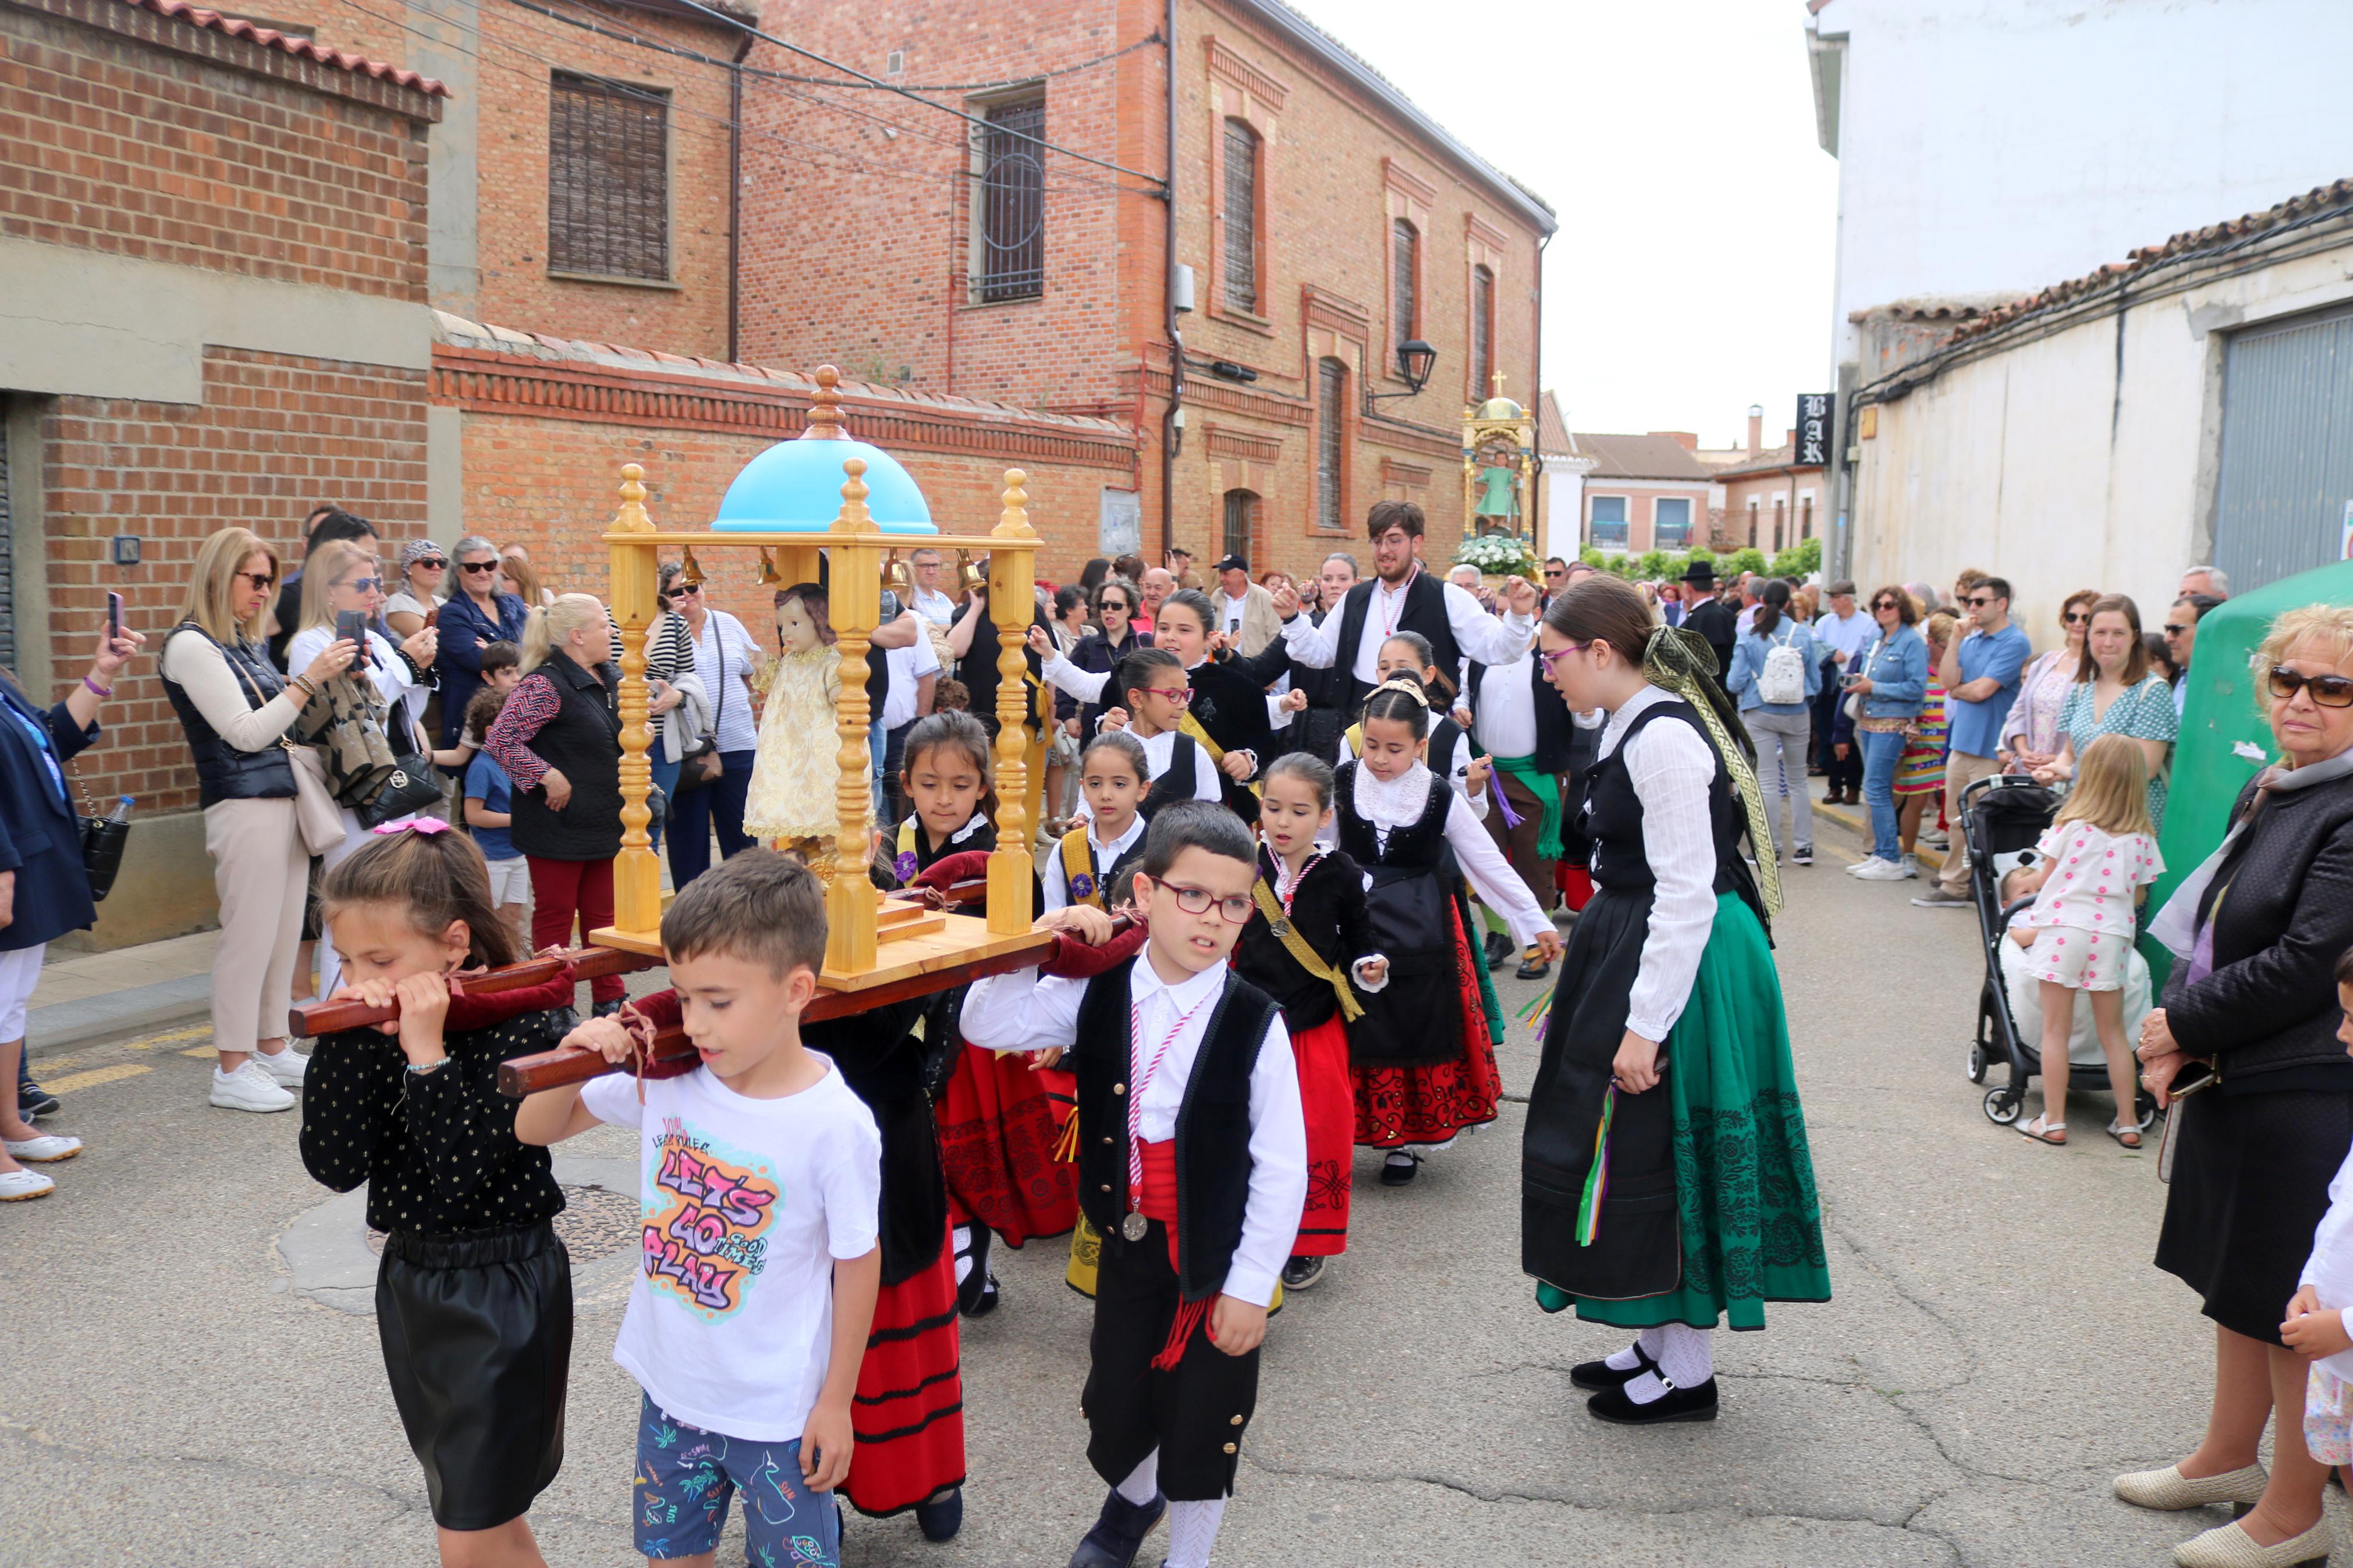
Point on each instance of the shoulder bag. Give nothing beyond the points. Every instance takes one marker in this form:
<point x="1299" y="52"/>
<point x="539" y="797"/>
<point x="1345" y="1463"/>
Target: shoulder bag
<point x="701" y="764"/>
<point x="317" y="820"/>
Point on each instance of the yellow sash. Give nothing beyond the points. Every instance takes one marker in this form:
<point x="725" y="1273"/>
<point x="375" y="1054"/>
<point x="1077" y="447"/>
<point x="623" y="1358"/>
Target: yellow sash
<point x="1188" y="725"/>
<point x="1304" y="955"/>
<point x="1078" y="867"/>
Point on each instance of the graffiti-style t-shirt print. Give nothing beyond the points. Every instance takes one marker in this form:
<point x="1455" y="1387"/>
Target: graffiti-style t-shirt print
<point x="706" y="1215"/>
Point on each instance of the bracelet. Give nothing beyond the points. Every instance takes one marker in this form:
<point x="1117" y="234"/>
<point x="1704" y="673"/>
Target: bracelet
<point x="303" y="684"/>
<point x="428" y="1068"/>
<point x="96" y="689"/>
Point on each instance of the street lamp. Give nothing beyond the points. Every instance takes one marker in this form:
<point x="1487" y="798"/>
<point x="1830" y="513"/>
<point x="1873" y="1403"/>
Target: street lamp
<point x="1416" y="360"/>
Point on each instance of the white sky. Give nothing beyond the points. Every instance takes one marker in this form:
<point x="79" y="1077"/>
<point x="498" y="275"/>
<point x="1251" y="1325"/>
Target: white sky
<point x="1691" y="273"/>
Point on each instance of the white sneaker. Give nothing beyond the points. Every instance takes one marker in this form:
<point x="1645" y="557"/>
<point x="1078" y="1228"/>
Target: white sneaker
<point x="16" y="1187"/>
<point x="1909" y="865"/>
<point x="1881" y="871"/>
<point x="248" y="1089"/>
<point x="1857" y="869"/>
<point x="286" y="1069"/>
<point x="47" y="1149"/>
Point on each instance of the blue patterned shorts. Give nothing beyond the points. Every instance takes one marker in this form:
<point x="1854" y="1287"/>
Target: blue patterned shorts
<point x="686" y="1477"/>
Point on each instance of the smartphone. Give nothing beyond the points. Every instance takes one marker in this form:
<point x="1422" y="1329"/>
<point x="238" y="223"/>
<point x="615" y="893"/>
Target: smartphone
<point x="113" y="616"/>
<point x="351" y="625"/>
<point x="1849" y="679"/>
<point x="433" y="617"/>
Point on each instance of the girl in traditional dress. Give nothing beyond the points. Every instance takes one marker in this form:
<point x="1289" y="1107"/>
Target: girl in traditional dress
<point x="998" y="1129"/>
<point x="1449" y="749"/>
<point x="1309" y="944"/>
<point x="1114" y="775"/>
<point x="1423" y="1055"/>
<point x="1666" y="1180"/>
<point x="791" y="799"/>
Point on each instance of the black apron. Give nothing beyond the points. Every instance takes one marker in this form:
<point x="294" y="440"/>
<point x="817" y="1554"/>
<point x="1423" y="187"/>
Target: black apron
<point x="1415" y="898"/>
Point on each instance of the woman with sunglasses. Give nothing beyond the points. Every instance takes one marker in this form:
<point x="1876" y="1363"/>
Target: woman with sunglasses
<point x="2029" y="736"/>
<point x="475" y="616"/>
<point x="1100" y="651"/>
<point x="424" y="573"/>
<point x="1889" y="683"/>
<point x="723" y="655"/>
<point x="2257" y="932"/>
<point x="2113" y="693"/>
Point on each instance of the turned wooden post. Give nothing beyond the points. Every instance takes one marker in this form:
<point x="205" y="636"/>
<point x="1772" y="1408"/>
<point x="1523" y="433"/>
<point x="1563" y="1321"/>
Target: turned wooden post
<point x="1012" y="580"/>
<point x="853" y="600"/>
<point x="637" y="874"/>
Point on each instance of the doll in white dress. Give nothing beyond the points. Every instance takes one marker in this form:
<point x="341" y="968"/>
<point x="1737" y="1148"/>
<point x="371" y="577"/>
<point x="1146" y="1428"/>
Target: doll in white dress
<point x="791" y="800"/>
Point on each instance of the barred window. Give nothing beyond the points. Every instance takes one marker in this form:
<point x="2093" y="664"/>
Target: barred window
<point x="607" y="178"/>
<point x="1405" y="247"/>
<point x="1483" y="330"/>
<point x="1241" y="519"/>
<point x="1013" y="202"/>
<point x="1241" y="216"/>
<point x="1331" y="409"/>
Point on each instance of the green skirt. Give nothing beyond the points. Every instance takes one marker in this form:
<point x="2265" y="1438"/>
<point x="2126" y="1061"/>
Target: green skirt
<point x="1751" y="1223"/>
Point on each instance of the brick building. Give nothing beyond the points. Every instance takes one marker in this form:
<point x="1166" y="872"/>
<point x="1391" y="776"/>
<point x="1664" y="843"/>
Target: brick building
<point x="1771" y="501"/>
<point x="1645" y="492"/>
<point x="1320" y="221"/>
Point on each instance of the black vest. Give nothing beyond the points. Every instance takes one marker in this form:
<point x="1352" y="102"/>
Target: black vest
<point x="1213" y="1124"/>
<point x="1611" y="817"/>
<point x="1555" y="733"/>
<point x="1178" y="783"/>
<point x="1424" y="612"/>
<point x="223" y="772"/>
<point x="583" y="741"/>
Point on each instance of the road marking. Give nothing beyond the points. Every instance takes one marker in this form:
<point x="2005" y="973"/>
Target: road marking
<point x="171" y="1037"/>
<point x="201" y="1053"/>
<point x="95" y="1076"/>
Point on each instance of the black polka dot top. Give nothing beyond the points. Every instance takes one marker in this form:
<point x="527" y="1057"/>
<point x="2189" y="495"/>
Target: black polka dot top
<point x="438" y="1150"/>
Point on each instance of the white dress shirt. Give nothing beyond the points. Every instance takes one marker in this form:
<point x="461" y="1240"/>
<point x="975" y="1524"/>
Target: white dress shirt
<point x="1505" y="719"/>
<point x="909" y="665"/>
<point x="1490" y="639"/>
<point x="1159" y="754"/>
<point x="1023" y="1012"/>
<point x="932" y="606"/>
<point x="1673" y="769"/>
<point x="724" y="641"/>
<point x="1391" y="806"/>
<point x="1058" y="880"/>
<point x="389" y="673"/>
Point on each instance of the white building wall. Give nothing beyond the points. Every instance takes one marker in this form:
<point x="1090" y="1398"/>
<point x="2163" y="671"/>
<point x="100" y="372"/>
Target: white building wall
<point x="1994" y="147"/>
<point x="2028" y="463"/>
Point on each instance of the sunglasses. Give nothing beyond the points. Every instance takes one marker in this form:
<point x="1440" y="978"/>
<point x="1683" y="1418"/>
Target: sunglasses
<point x="683" y="589"/>
<point x="1235" y="910"/>
<point x="364" y="585"/>
<point x="478" y="566"/>
<point x="1884" y="604"/>
<point x="260" y="580"/>
<point x="431" y="563"/>
<point x="1554" y="572"/>
<point x="2174" y="629"/>
<point x="2328" y="691"/>
<point x="2077" y="619"/>
<point x="1978" y="601"/>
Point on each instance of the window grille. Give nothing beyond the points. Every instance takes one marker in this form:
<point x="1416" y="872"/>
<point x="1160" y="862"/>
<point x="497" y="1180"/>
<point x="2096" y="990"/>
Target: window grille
<point x="1241" y="216"/>
<point x="1483" y="327"/>
<point x="1404" y="254"/>
<point x="1241" y="517"/>
<point x="1013" y="202"/>
<point x="608" y="179"/>
<point x="1330" y="406"/>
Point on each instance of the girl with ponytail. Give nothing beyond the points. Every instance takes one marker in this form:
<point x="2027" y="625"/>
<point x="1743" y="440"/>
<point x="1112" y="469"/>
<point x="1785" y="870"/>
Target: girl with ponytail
<point x="1666" y="1183"/>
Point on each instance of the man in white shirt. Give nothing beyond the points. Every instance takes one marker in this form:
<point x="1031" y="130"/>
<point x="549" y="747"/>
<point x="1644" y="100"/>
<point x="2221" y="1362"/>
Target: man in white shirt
<point x="1245" y="611"/>
<point x="1845" y="631"/>
<point x="927" y="601"/>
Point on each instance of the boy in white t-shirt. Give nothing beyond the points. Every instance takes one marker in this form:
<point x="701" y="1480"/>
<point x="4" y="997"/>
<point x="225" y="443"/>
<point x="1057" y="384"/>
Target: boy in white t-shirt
<point x="762" y="1177"/>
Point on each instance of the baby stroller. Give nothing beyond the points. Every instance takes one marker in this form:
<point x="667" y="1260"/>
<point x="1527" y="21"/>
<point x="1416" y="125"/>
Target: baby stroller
<point x="2002" y="818"/>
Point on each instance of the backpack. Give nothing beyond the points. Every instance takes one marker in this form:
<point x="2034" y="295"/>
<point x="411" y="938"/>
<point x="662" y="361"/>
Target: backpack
<point x="1783" y="679"/>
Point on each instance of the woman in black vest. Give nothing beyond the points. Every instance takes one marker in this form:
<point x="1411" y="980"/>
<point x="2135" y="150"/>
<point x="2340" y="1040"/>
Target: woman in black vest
<point x="2252" y="996"/>
<point x="1667" y="1050"/>
<point x="236" y="709"/>
<point x="560" y="742"/>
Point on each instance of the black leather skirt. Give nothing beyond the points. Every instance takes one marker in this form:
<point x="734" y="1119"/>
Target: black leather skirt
<point x="477" y="1333"/>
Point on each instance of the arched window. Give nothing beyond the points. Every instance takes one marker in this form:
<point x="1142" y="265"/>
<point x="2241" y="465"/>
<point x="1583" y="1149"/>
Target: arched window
<point x="1483" y="333"/>
<point x="1331" y="409"/>
<point x="1241" y="216"/>
<point x="1404" y="267"/>
<point x="1242" y="521"/>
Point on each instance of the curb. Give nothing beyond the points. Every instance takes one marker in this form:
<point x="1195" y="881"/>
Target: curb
<point x="125" y="1012"/>
<point x="1860" y="825"/>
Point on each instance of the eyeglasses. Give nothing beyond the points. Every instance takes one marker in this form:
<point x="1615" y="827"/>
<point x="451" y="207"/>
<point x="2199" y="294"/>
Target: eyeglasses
<point x="1550" y="659"/>
<point x="2328" y="691"/>
<point x="1234" y="911"/>
<point x="260" y="580"/>
<point x="1180" y="695"/>
<point x="478" y="566"/>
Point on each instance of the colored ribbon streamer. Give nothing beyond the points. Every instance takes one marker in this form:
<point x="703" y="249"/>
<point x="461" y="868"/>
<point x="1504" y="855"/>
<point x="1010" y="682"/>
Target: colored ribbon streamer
<point x="1596" y="1178"/>
<point x="1503" y="802"/>
<point x="1546" y="789"/>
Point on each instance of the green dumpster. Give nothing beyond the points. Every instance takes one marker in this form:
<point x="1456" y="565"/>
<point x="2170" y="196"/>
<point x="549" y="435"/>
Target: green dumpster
<point x="2224" y="739"/>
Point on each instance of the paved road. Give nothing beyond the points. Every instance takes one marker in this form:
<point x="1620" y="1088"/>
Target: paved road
<point x="1997" y="1348"/>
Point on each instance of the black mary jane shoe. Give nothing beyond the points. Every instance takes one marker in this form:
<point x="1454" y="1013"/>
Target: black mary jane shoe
<point x="1534" y="968"/>
<point x="1303" y="1273"/>
<point x="1694" y="1404"/>
<point x="1499" y="949"/>
<point x="1599" y="1374"/>
<point x="941" y="1518"/>
<point x="1397" y="1175"/>
<point x="976" y="1291"/>
<point x="1119" y="1531"/>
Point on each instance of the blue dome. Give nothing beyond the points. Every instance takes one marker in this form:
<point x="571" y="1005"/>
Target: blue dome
<point x="794" y="487"/>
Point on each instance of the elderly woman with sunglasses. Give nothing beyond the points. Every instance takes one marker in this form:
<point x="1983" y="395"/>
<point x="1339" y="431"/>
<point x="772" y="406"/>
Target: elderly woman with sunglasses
<point x="1890" y="678"/>
<point x="2252" y="1011"/>
<point x="475" y="616"/>
<point x="2029" y="735"/>
<point x="2114" y="693"/>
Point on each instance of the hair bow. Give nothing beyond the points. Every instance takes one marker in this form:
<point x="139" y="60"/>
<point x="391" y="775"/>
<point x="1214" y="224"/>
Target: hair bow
<point x="428" y="825"/>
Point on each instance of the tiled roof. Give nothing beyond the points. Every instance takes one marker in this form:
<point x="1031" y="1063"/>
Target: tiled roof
<point x="1974" y="322"/>
<point x="1638" y="457"/>
<point x="1552" y="430"/>
<point x="1771" y="461"/>
<point x="302" y="48"/>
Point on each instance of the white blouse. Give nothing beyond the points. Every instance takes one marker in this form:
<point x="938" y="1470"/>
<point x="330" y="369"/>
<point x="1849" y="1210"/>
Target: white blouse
<point x="1399" y="803"/>
<point x="390" y="672"/>
<point x="1458" y="771"/>
<point x="1057" y="880"/>
<point x="1671" y="768"/>
<point x="2329" y="1269"/>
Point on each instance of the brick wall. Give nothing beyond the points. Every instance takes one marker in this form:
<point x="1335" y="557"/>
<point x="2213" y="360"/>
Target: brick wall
<point x="273" y="436"/>
<point x="108" y="143"/>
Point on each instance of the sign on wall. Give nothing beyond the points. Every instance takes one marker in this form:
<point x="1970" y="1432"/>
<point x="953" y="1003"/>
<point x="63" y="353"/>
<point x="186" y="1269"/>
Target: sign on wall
<point x="1121" y="528"/>
<point x="1813" y="430"/>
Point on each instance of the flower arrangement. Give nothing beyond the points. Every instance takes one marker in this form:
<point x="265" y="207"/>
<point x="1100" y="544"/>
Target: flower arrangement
<point x="1497" y="556"/>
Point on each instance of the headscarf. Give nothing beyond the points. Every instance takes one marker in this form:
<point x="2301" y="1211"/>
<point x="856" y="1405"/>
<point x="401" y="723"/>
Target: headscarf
<point x="416" y="550"/>
<point x="1683" y="662"/>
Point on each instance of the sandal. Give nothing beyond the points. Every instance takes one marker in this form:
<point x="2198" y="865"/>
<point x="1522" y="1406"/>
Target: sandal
<point x="2127" y="1136"/>
<point x="2041" y="1130"/>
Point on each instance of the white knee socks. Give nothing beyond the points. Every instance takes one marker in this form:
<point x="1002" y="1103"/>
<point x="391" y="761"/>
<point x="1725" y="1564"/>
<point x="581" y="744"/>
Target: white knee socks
<point x="1684" y="1355"/>
<point x="1143" y="1483"/>
<point x="1192" y="1530"/>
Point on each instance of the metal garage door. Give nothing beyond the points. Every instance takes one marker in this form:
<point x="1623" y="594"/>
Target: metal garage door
<point x="2287" y="448"/>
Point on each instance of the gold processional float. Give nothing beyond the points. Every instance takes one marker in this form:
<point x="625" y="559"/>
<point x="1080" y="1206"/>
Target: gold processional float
<point x="821" y="495"/>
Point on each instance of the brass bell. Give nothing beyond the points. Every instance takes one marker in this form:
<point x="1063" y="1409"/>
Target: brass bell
<point x="895" y="577"/>
<point x="970" y="575"/>
<point x="768" y="572"/>
<point x="691" y="570"/>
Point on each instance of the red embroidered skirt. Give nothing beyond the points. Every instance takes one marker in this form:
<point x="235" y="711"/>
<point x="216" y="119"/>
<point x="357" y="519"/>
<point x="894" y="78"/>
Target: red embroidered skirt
<point x="1433" y="1102"/>
<point x="907" y="1415"/>
<point x="1328" y="1097"/>
<point x="998" y="1136"/>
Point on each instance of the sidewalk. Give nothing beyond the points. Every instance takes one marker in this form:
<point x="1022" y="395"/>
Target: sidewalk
<point x="85" y="996"/>
<point x="1856" y="820"/>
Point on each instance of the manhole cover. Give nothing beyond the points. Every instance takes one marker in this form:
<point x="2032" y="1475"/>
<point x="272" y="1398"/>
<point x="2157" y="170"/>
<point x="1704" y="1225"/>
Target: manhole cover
<point x="595" y="1223"/>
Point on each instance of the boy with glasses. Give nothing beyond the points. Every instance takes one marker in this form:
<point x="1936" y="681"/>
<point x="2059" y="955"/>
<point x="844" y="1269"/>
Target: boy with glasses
<point x="1192" y="1153"/>
<point x="1980" y="675"/>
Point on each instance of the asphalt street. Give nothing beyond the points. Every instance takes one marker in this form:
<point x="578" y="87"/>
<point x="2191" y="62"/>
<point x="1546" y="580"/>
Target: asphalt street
<point x="186" y="1381"/>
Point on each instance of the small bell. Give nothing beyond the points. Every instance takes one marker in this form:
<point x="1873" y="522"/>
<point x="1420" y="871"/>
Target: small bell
<point x="967" y="573"/>
<point x="768" y="572"/>
<point x="895" y="575"/>
<point x="691" y="570"/>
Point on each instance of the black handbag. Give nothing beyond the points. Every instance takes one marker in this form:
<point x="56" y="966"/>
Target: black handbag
<point x="411" y="786"/>
<point x="102" y="840"/>
<point x="700" y="766"/>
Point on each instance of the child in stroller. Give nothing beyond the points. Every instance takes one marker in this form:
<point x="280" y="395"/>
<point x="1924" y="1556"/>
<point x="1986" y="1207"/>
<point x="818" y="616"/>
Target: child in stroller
<point x="2003" y="818"/>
